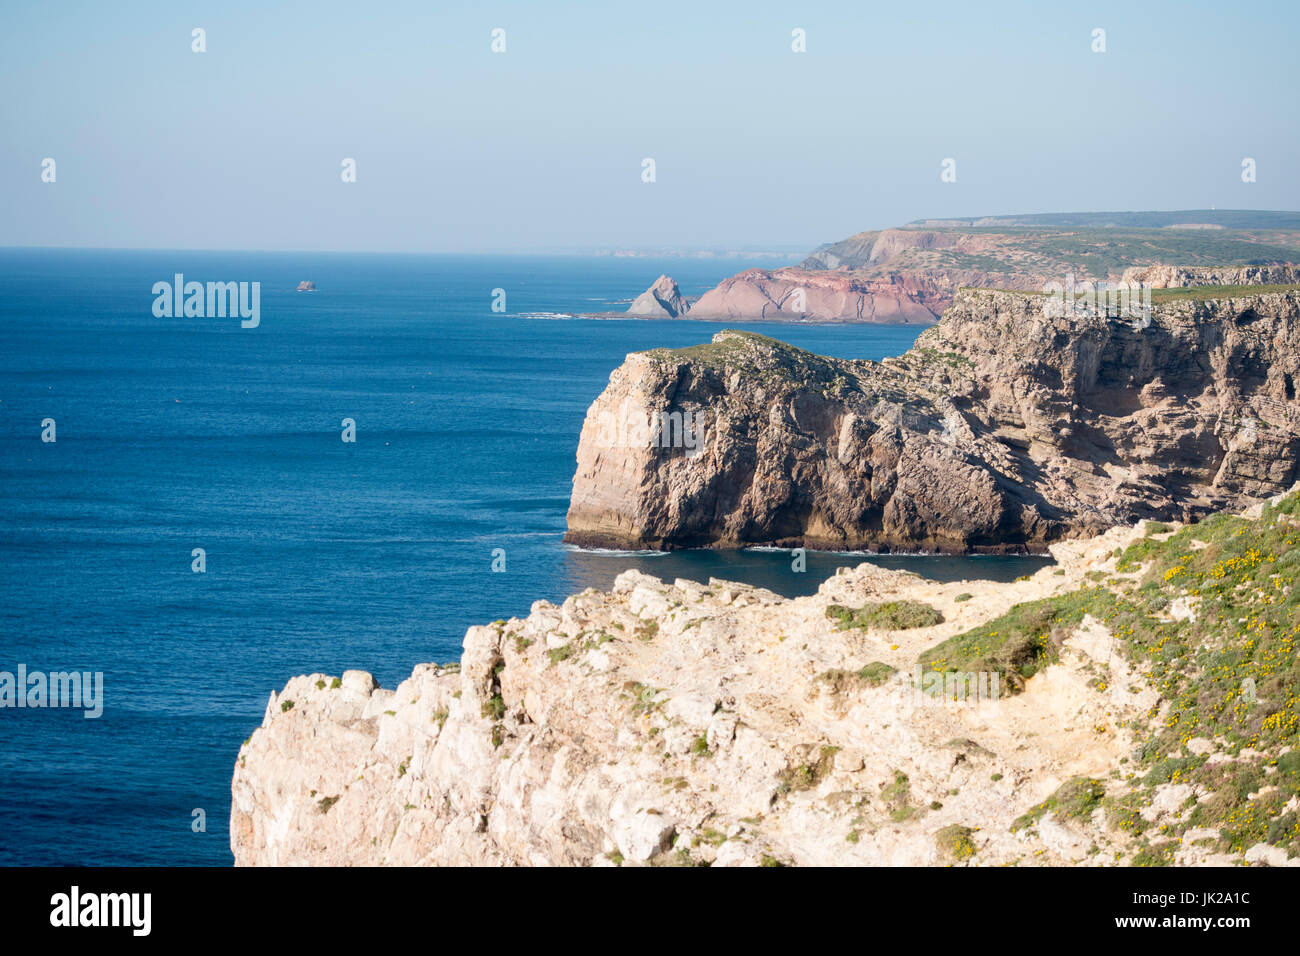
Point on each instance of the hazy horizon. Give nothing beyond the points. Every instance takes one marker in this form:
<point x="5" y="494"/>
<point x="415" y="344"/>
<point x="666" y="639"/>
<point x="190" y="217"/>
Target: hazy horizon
<point x="540" y="148"/>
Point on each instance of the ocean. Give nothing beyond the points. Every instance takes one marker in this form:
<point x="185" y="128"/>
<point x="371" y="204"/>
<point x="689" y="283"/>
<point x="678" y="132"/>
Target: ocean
<point x="174" y="434"/>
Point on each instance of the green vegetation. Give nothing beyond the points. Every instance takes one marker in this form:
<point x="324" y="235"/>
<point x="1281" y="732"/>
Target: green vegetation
<point x="964" y="596"/>
<point x="885" y="615"/>
<point x="336" y="683"/>
<point x="898" y="797"/>
<point x="286" y="706"/>
<point x="768" y="362"/>
<point x="643" y="698"/>
<point x="1077" y="798"/>
<point x="1020" y="642"/>
<point x="929" y="354"/>
<point x="323" y="805"/>
<point x="806" y="775"/>
<point x="955" y="843"/>
<point x="1216" y="292"/>
<point x="872" y="675"/>
<point x="1161" y="854"/>
<point x="1226" y="671"/>
<point x="710" y="837"/>
<point x="557" y="654"/>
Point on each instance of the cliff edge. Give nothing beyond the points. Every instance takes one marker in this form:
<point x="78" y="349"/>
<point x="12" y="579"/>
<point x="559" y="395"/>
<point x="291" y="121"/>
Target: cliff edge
<point x="1110" y="710"/>
<point x="1008" y="426"/>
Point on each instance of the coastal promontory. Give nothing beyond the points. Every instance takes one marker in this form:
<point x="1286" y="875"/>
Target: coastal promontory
<point x="1009" y="425"/>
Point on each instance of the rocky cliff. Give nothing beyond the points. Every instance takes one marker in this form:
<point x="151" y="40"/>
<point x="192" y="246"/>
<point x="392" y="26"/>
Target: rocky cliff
<point x="911" y="273"/>
<point x="663" y="300"/>
<point x="803" y="295"/>
<point x="1107" y="710"/>
<point x="1183" y="277"/>
<point x="1004" y="428"/>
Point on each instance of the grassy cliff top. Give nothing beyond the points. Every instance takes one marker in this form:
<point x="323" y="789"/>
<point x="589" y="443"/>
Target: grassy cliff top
<point x="729" y="344"/>
<point x="1188" y="293"/>
<point x="1210" y="612"/>
<point x="769" y="362"/>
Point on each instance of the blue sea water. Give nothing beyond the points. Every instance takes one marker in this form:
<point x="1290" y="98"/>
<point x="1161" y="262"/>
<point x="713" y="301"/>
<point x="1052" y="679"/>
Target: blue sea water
<point x="183" y="433"/>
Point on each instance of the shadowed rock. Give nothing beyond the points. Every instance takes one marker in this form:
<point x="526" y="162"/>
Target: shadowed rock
<point x="1003" y="429"/>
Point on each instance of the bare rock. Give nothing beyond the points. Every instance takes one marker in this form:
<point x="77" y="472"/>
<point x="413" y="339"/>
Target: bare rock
<point x="663" y="300"/>
<point x="1003" y="429"/>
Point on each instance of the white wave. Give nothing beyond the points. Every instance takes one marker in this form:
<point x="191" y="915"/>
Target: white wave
<point x="615" y="552"/>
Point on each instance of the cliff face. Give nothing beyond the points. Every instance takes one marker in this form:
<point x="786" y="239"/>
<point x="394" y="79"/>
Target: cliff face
<point x="675" y="724"/>
<point x="802" y="295"/>
<point x="1003" y="428"/>
<point x="719" y="724"/>
<point x="911" y="274"/>
<point x="1180" y="277"/>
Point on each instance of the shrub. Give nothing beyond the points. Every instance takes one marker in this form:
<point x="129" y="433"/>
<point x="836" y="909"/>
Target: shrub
<point x="1019" y="642"/>
<point x="955" y="843"/>
<point x="1074" y="799"/>
<point x="885" y="616"/>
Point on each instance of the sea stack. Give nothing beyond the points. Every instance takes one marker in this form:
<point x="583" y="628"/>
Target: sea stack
<point x="306" y="286"/>
<point x="663" y="300"/>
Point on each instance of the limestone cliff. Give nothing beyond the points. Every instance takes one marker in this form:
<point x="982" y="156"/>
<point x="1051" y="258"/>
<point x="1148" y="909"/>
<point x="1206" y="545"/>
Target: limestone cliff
<point x="719" y="724"/>
<point x="1181" y="277"/>
<point x="1006" y="427"/>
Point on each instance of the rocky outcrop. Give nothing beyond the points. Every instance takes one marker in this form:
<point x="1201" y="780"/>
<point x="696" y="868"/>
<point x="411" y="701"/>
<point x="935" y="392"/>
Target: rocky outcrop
<point x="911" y="274"/>
<point x="1183" y="277"/>
<point x="1002" y="429"/>
<point x="663" y="300"/>
<point x="673" y="723"/>
<point x="803" y="295"/>
<point x="688" y="724"/>
<point x="867" y="249"/>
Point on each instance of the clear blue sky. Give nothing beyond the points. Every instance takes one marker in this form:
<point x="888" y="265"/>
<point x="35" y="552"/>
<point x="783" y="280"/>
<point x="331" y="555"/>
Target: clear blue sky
<point x="460" y="149"/>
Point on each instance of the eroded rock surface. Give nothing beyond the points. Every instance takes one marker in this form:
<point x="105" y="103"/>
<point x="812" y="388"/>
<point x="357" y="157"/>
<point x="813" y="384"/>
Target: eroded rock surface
<point x="718" y="723"/>
<point x="625" y="726"/>
<point x="1004" y="428"/>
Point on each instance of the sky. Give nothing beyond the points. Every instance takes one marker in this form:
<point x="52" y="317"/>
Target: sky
<point x="541" y="147"/>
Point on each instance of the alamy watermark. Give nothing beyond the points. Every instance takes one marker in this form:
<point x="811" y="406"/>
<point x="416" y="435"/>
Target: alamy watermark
<point x="127" y="910"/>
<point x="1121" y="300"/>
<point x="952" y="689"/>
<point x="80" y="689"/>
<point x="630" y="426"/>
<point x="216" y="300"/>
